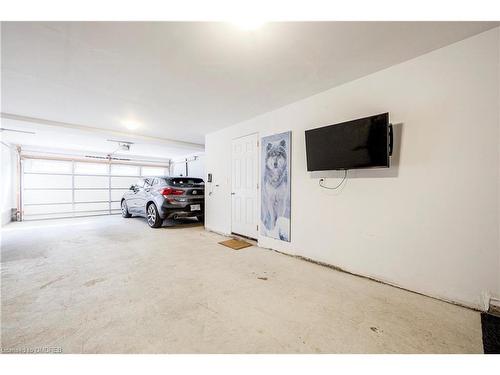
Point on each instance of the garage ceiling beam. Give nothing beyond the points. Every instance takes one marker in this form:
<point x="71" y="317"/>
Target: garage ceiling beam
<point x="92" y="129"/>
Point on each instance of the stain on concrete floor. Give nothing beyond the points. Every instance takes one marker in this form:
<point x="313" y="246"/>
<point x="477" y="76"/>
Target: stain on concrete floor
<point x="94" y="281"/>
<point x="53" y="281"/>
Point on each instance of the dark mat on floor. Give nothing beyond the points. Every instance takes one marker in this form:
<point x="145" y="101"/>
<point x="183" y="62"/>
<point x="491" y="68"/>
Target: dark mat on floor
<point x="491" y="333"/>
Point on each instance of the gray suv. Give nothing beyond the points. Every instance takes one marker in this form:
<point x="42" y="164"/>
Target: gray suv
<point x="161" y="198"/>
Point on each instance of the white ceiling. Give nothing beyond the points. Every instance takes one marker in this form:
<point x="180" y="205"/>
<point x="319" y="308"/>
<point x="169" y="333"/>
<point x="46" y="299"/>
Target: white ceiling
<point x="63" y="140"/>
<point x="181" y="80"/>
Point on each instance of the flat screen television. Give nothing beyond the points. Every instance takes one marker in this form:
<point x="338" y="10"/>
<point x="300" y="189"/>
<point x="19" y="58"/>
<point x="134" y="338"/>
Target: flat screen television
<point x="362" y="143"/>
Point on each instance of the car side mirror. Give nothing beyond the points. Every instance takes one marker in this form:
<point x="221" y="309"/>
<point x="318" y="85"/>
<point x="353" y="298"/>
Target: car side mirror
<point x="132" y="187"/>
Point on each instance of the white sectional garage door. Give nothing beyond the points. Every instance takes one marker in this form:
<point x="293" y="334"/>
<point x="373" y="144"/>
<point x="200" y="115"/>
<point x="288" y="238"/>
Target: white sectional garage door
<point x="67" y="188"/>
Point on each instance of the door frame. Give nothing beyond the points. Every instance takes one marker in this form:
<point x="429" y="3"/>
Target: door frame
<point x="257" y="200"/>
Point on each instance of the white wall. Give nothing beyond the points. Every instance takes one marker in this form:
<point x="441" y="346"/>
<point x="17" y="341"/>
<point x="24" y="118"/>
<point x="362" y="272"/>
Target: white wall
<point x="7" y="184"/>
<point x="196" y="167"/>
<point x="178" y="169"/>
<point x="430" y="223"/>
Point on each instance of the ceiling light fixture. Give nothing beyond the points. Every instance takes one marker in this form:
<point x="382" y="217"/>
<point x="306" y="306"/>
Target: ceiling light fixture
<point x="248" y="24"/>
<point x="131" y="125"/>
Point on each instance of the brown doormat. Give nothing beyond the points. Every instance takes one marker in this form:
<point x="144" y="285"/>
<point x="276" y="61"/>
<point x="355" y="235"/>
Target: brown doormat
<point x="236" y="244"/>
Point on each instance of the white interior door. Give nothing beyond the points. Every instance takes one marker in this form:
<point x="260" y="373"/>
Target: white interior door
<point x="244" y="176"/>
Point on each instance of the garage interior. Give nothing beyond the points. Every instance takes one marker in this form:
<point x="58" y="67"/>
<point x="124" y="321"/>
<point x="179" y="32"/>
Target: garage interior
<point x="90" y="108"/>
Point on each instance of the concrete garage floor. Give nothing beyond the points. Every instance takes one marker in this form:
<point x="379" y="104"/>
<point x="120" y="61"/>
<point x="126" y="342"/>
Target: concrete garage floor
<point x="113" y="285"/>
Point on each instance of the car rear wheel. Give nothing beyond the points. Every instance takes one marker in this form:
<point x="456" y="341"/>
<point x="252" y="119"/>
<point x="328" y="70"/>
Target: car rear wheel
<point x="125" y="212"/>
<point x="153" y="217"/>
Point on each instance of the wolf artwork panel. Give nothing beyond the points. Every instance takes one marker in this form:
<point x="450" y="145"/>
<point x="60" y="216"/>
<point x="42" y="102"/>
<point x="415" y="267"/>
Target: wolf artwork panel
<point x="275" y="186"/>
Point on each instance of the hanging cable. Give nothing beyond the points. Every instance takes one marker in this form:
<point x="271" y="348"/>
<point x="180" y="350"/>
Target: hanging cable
<point x="336" y="187"/>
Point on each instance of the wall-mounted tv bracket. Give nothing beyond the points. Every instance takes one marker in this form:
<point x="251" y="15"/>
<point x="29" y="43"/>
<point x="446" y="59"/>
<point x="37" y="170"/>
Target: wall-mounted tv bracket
<point x="391" y="139"/>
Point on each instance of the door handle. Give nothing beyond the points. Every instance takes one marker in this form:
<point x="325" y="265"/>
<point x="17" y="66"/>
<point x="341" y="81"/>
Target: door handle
<point x="233" y="193"/>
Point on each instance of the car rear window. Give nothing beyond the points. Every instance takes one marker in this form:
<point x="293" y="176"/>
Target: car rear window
<point x="184" y="181"/>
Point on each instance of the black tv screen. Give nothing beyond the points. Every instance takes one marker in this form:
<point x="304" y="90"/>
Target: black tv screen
<point x="362" y="143"/>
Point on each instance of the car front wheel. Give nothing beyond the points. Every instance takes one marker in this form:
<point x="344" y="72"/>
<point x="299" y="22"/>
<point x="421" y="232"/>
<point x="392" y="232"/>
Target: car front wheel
<point x="125" y="212"/>
<point x="153" y="217"/>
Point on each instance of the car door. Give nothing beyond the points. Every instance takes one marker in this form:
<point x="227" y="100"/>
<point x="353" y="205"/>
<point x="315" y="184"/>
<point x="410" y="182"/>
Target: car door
<point x="132" y="201"/>
<point x="142" y="196"/>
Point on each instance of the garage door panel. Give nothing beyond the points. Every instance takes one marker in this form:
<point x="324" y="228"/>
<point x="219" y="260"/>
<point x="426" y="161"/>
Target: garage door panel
<point x="59" y="215"/>
<point x="92" y="206"/>
<point x="47" y="209"/>
<point x="92" y="182"/>
<point x="115" y="206"/>
<point x="125" y="170"/>
<point x="90" y="213"/>
<point x="47" y="196"/>
<point x="117" y="194"/>
<point x="91" y="195"/>
<point x="49" y="181"/>
<point x="123" y="182"/>
<point x="91" y="168"/>
<point x="47" y="166"/>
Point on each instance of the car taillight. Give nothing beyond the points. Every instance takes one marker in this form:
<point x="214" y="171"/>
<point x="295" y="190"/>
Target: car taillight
<point x="171" y="191"/>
